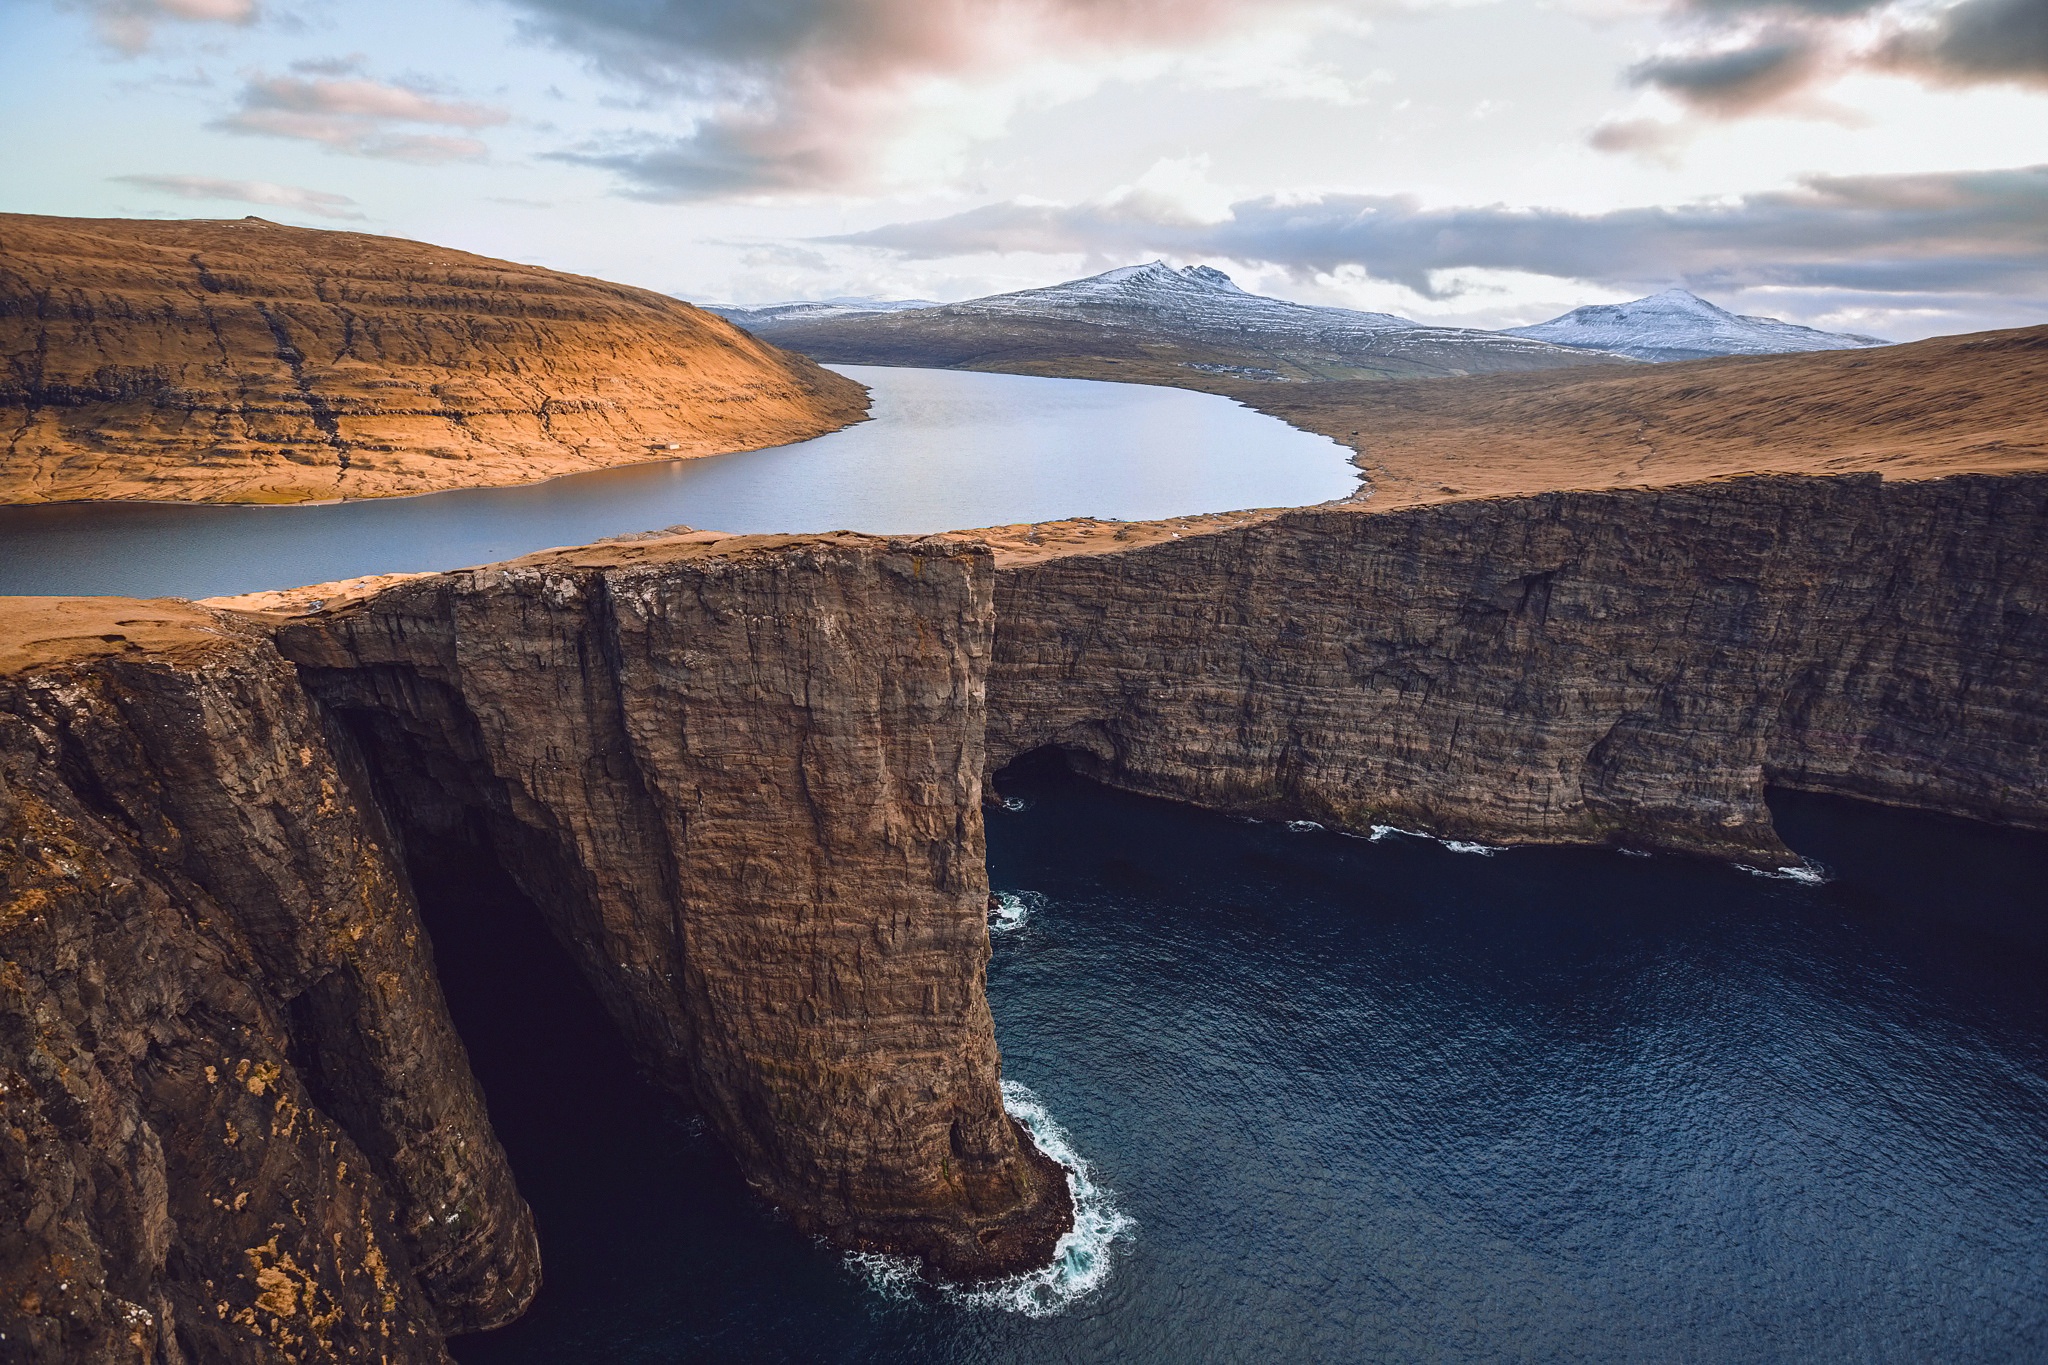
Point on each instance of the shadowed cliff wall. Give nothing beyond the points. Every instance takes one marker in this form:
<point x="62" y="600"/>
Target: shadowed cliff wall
<point x="1614" y="667"/>
<point x="238" y="1125"/>
<point x="742" y="780"/>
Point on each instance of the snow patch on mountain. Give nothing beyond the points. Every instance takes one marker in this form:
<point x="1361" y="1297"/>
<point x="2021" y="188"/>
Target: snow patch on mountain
<point x="810" y="310"/>
<point x="1680" y="325"/>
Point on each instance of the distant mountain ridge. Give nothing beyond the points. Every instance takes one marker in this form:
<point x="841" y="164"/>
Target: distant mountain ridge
<point x="805" y="310"/>
<point x="1680" y="325"/>
<point x="1156" y="323"/>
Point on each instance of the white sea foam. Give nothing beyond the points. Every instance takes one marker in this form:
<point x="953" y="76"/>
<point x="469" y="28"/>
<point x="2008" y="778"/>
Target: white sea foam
<point x="1807" y="873"/>
<point x="1014" y="803"/>
<point x="1081" y="1260"/>
<point x="1012" y="910"/>
<point x="1303" y="826"/>
<point x="1380" y="832"/>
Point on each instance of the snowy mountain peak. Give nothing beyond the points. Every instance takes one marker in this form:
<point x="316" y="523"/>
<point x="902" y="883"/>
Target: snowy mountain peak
<point x="1680" y="325"/>
<point x="1154" y="275"/>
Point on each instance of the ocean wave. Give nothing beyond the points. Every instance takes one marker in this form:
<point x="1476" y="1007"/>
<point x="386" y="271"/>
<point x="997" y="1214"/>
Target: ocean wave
<point x="1012" y="910"/>
<point x="1081" y="1261"/>
<point x="1380" y="832"/>
<point x="1807" y="873"/>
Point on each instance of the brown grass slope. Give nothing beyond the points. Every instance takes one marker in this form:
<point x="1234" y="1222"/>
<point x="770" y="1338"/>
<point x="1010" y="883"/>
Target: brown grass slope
<point x="209" y="361"/>
<point x="1950" y="405"/>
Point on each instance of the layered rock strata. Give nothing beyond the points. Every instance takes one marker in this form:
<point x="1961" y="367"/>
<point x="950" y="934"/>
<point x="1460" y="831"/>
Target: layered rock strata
<point x="741" y="777"/>
<point x="1626" y="667"/>
<point x="238" y="1125"/>
<point x="250" y="362"/>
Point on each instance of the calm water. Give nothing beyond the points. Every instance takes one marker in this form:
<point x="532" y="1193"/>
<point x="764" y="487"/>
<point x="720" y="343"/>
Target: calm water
<point x="1383" y="1101"/>
<point x="945" y="450"/>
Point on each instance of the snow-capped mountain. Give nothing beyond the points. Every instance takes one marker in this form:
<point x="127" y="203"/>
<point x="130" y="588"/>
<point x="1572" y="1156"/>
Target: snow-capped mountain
<point x="1156" y="317"/>
<point x="1197" y="300"/>
<point x="1678" y="325"/>
<point x="809" y="310"/>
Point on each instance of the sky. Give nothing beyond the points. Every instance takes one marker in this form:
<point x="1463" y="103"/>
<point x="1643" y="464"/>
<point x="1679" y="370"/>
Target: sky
<point x="1875" y="166"/>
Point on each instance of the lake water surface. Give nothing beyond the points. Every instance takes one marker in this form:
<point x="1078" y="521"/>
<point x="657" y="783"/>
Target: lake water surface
<point x="945" y="450"/>
<point x="1369" y="1101"/>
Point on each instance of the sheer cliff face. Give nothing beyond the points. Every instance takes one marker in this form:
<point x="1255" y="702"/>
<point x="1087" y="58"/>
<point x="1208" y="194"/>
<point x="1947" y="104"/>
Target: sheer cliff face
<point x="1623" y="667"/>
<point x="249" y="362"/>
<point x="742" y="779"/>
<point x="238" y="1125"/>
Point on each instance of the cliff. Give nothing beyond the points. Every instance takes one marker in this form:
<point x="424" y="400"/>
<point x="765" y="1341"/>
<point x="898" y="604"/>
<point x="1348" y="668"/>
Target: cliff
<point x="248" y="362"/>
<point x="1628" y="667"/>
<point x="238" y="1124"/>
<point x="740" y="776"/>
<point x="742" y="779"/>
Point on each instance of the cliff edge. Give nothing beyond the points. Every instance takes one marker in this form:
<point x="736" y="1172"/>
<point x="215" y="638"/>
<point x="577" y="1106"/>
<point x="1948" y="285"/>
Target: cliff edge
<point x="208" y="361"/>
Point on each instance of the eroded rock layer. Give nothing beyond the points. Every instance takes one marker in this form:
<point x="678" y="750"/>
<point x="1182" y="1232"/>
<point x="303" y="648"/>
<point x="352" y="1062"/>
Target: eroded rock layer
<point x="249" y="362"/>
<point x="742" y="779"/>
<point x="238" y="1125"/>
<point x="1628" y="667"/>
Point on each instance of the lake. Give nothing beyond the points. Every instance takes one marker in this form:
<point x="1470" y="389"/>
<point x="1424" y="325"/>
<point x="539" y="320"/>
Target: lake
<point x="1356" y="1101"/>
<point x="945" y="450"/>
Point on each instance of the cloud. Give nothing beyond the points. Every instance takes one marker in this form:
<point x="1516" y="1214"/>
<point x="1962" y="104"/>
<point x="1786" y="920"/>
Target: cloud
<point x="355" y="116"/>
<point x="806" y="94"/>
<point x="247" y="192"/>
<point x="1744" y="57"/>
<point x="1976" y="41"/>
<point x="130" y="24"/>
<point x="1737" y="80"/>
<point x="1971" y="232"/>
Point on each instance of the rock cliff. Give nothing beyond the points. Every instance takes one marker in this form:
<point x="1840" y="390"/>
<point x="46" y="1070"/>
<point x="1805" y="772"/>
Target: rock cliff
<point x="740" y="776"/>
<point x="249" y="362"/>
<point x="742" y="779"/>
<point x="238" y="1124"/>
<point x="1622" y="667"/>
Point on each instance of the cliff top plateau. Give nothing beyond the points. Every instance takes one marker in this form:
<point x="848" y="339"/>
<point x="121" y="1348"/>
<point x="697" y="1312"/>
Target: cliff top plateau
<point x="207" y="361"/>
<point x="1974" y="404"/>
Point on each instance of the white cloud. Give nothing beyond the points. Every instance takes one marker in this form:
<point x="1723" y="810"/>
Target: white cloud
<point x="356" y="116"/>
<point x="296" y="197"/>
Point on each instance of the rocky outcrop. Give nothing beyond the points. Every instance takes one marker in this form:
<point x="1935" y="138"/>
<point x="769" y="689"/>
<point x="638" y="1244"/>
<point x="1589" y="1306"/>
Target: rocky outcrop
<point x="249" y="362"/>
<point x="1625" y="667"/>
<point x="238" y="1125"/>
<point x="741" y="777"/>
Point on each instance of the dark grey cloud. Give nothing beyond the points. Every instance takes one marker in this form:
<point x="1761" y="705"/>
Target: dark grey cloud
<point x="1738" y="80"/>
<point x="1748" y="56"/>
<point x="1978" y="40"/>
<point x="1973" y="232"/>
<point x="800" y="94"/>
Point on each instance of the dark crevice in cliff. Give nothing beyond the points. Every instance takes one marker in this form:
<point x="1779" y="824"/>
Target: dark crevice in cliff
<point x="558" y="1078"/>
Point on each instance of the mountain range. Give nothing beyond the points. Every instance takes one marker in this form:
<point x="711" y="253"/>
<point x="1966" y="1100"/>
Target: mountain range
<point x="1152" y="323"/>
<point x="1165" y="325"/>
<point x="1679" y="325"/>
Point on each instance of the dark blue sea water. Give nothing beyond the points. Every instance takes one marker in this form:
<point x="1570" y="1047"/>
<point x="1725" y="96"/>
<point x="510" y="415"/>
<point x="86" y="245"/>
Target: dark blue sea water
<point x="1384" y="1101"/>
<point x="944" y="449"/>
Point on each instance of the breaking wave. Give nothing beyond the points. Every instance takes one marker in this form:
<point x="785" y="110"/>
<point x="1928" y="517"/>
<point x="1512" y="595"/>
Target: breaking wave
<point x="1080" y="1263"/>
<point x="1380" y="832"/>
<point x="1806" y="872"/>
<point x="1012" y="909"/>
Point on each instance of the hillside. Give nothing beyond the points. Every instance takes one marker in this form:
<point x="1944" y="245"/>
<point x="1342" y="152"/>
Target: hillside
<point x="1949" y="405"/>
<point x="206" y="361"/>
<point x="1679" y="325"/>
<point x="1155" y="324"/>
